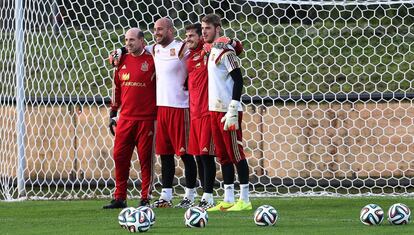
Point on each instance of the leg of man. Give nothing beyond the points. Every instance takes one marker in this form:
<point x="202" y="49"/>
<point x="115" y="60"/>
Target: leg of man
<point x="123" y="149"/>
<point x="225" y="162"/>
<point x="165" y="149"/>
<point x="200" y="169"/>
<point x="234" y="144"/>
<point x="145" y="147"/>
<point x="180" y="128"/>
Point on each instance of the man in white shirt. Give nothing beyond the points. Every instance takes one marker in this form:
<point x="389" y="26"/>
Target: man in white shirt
<point x="225" y="84"/>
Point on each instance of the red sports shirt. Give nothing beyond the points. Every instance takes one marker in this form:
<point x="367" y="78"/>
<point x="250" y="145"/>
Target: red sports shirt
<point x="134" y="87"/>
<point x="198" y="82"/>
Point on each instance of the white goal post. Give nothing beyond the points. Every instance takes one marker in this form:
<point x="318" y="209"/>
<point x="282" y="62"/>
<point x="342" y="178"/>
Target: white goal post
<point x="328" y="98"/>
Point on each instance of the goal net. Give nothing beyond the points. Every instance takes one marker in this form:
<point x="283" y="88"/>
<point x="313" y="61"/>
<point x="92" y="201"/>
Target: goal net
<point x="328" y="98"/>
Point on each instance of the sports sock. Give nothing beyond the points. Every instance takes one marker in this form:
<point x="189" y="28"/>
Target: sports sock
<point x="190" y="193"/>
<point x="200" y="168"/>
<point x="243" y="171"/>
<point x="244" y="192"/>
<point x="167" y="170"/>
<point x="190" y="169"/>
<point x="209" y="166"/>
<point x="166" y="194"/>
<point x="228" y="173"/>
<point x="229" y="193"/>
<point x="208" y="197"/>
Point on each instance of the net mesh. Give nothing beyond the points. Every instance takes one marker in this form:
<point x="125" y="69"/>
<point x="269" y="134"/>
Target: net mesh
<point x="328" y="93"/>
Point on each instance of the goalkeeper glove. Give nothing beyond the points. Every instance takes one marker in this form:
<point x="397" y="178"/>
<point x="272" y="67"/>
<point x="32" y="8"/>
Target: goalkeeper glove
<point x="112" y="121"/>
<point x="221" y="42"/>
<point x="225" y="41"/>
<point x="231" y="119"/>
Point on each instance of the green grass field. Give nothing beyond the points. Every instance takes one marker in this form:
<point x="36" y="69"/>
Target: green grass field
<point x="321" y="215"/>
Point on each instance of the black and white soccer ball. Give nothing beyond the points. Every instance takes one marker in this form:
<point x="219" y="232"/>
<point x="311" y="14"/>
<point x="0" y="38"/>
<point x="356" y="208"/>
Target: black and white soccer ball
<point x="265" y="216"/>
<point x="371" y="214"/>
<point x="195" y="217"/>
<point x="399" y="214"/>
<point x="138" y="222"/>
<point x="122" y="217"/>
<point x="149" y="212"/>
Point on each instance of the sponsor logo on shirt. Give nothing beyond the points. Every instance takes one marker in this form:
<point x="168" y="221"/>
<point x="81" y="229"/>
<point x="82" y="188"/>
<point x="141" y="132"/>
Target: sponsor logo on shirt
<point x="125" y="77"/>
<point x="144" y="67"/>
<point x="198" y="65"/>
<point x="123" y="67"/>
<point x="182" y="149"/>
<point x="136" y="84"/>
<point x="205" y="149"/>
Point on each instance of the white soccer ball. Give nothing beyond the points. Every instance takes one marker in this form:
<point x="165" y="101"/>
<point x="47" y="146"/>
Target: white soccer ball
<point x="122" y="217"/>
<point x="138" y="222"/>
<point x="371" y="214"/>
<point x="399" y="214"/>
<point x="265" y="216"/>
<point x="195" y="217"/>
<point x="149" y="212"/>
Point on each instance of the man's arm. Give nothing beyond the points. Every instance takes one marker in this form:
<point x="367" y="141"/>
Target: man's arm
<point x="115" y="101"/>
<point x="231" y="119"/>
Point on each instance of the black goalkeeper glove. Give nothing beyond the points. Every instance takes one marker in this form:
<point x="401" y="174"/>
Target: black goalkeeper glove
<point x="112" y="121"/>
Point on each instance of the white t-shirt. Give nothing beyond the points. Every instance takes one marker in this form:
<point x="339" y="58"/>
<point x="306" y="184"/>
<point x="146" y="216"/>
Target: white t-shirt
<point x="171" y="72"/>
<point x="220" y="83"/>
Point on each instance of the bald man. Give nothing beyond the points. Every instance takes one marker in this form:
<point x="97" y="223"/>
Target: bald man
<point x="135" y="96"/>
<point x="173" y="123"/>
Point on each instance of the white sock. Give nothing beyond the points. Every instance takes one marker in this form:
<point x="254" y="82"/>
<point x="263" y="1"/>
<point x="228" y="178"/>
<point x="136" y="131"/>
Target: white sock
<point x="208" y="197"/>
<point x="244" y="192"/>
<point x="190" y="193"/>
<point x="229" y="193"/>
<point x="166" y="194"/>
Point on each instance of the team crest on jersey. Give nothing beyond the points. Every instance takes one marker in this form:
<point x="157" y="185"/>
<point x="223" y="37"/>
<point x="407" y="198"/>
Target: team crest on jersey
<point x="182" y="149"/>
<point x="172" y="52"/>
<point x="144" y="67"/>
<point x="198" y="65"/>
<point x="196" y="57"/>
<point x="125" y="77"/>
<point x="205" y="149"/>
<point x="123" y="67"/>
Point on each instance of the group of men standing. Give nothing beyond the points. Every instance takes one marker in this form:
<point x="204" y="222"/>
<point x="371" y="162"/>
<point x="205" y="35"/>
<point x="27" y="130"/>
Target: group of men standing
<point x="195" y="101"/>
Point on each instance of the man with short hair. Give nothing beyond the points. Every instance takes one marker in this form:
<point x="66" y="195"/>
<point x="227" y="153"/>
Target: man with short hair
<point x="225" y="84"/>
<point x="200" y="142"/>
<point x="134" y="95"/>
<point x="173" y="122"/>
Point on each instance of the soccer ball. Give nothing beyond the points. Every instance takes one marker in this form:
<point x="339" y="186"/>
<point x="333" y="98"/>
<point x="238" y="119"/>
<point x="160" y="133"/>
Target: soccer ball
<point x="138" y="221"/>
<point x="195" y="217"/>
<point x="399" y="214"/>
<point x="149" y="212"/>
<point x="371" y="214"/>
<point x="122" y="217"/>
<point x="265" y="216"/>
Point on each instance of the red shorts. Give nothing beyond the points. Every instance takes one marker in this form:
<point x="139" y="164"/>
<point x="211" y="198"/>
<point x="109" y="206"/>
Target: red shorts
<point x="228" y="144"/>
<point x="200" y="142"/>
<point x="172" y="131"/>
